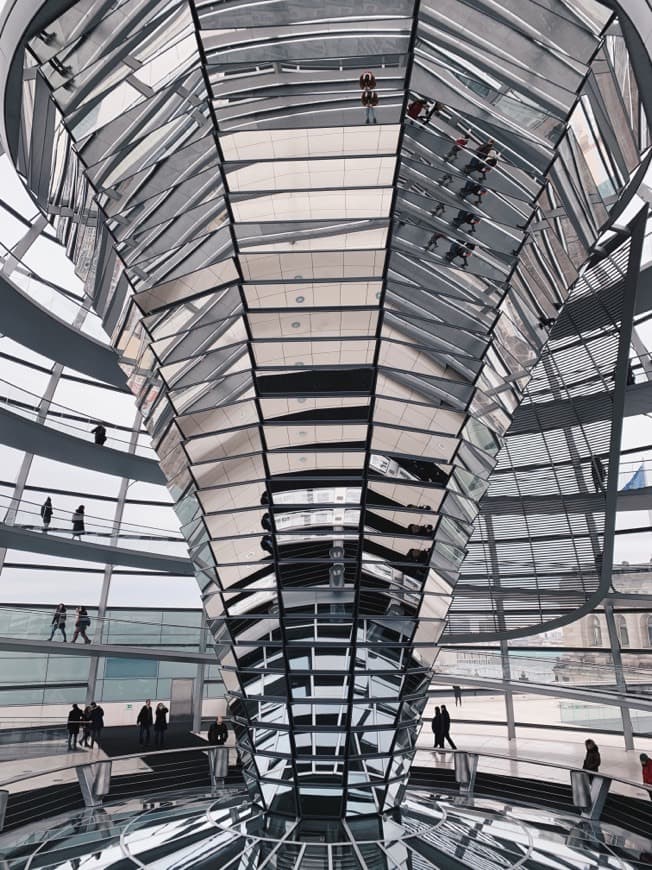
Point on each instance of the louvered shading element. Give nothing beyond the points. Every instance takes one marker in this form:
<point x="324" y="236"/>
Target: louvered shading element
<point x="328" y="298"/>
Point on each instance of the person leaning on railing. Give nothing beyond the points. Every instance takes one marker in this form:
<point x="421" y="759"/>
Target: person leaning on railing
<point x="218" y="732"/>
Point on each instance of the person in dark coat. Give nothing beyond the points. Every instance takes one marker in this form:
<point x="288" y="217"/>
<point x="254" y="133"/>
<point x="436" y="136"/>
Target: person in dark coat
<point x="218" y="732"/>
<point x="436" y="727"/>
<point x="457" y="693"/>
<point x="59" y="621"/>
<point x="446" y="727"/>
<point x="96" y="717"/>
<point x="82" y="623"/>
<point x="75" y="718"/>
<point x="86" y="734"/>
<point x="78" y="522"/>
<point x="100" y="434"/>
<point x="46" y="513"/>
<point x="592" y="757"/>
<point x="160" y="724"/>
<point x="145" y="720"/>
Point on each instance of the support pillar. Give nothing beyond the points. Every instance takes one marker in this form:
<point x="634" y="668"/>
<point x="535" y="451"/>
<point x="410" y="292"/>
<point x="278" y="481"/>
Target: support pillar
<point x="218" y="764"/>
<point x="94" y="781"/>
<point x="509" y="698"/>
<point x="4" y="800"/>
<point x="589" y="793"/>
<point x="621" y="685"/>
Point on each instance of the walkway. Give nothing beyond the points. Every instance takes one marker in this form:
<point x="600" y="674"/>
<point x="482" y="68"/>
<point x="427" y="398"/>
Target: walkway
<point x="32" y="437"/>
<point x="577" y="503"/>
<point x="542" y="416"/>
<point x="33" y="326"/>
<point x="119" y="651"/>
<point x="594" y="695"/>
<point x="16" y="538"/>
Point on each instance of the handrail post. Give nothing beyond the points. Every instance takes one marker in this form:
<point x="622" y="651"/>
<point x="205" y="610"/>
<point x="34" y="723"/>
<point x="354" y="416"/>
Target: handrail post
<point x="94" y="781"/>
<point x="218" y="764"/>
<point x="466" y="766"/>
<point x="589" y="793"/>
<point x="4" y="800"/>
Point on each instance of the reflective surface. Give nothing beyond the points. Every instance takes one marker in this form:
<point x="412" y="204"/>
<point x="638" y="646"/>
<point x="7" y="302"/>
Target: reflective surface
<point x="228" y="833"/>
<point x="329" y="310"/>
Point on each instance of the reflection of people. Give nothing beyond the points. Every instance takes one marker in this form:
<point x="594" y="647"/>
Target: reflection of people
<point x="434" y="240"/>
<point x="369" y="100"/>
<point x="458" y="145"/>
<point x="415" y="108"/>
<point x="367" y="81"/>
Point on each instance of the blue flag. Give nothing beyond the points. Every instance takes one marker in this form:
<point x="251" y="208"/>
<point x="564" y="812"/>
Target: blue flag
<point x="637" y="480"/>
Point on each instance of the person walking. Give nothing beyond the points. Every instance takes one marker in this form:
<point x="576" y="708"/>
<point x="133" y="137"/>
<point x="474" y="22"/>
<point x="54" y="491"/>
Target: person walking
<point x="369" y="100"/>
<point x="218" y="732"/>
<point x="46" y="513"/>
<point x="78" y="523"/>
<point x="81" y="624"/>
<point x="145" y="720"/>
<point x="75" y="718"/>
<point x="436" y="728"/>
<point x="96" y="716"/>
<point x="100" y="434"/>
<point x="458" y="146"/>
<point x="457" y="692"/>
<point x="446" y="727"/>
<point x="160" y="724"/>
<point x="59" y="621"/>
<point x="86" y="733"/>
<point x="592" y="757"/>
<point x="646" y="770"/>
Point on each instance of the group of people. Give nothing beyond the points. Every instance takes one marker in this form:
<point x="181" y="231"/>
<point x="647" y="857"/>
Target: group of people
<point x="441" y="726"/>
<point x="47" y="511"/>
<point x="47" y="508"/>
<point x="483" y="161"/>
<point x="82" y="623"/>
<point x="156" y="719"/>
<point x="90" y="721"/>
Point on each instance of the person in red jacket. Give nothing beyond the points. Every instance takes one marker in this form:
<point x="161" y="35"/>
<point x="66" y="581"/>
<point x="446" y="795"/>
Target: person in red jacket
<point x="646" y="765"/>
<point x="415" y="108"/>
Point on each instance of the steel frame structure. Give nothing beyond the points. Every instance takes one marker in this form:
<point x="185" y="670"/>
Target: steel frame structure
<point x="234" y="221"/>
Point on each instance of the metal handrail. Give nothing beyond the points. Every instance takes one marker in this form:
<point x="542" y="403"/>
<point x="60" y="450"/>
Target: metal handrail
<point x="189" y="749"/>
